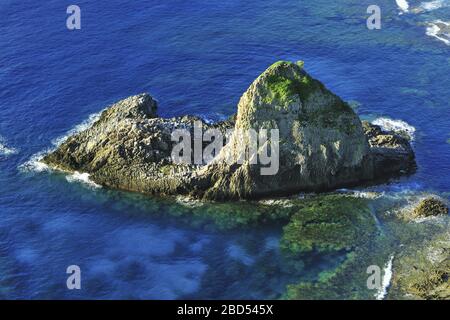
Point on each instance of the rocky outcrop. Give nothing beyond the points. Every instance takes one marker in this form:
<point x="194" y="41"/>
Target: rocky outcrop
<point x="322" y="145"/>
<point x="429" y="207"/>
<point x="129" y="148"/>
<point x="391" y="152"/>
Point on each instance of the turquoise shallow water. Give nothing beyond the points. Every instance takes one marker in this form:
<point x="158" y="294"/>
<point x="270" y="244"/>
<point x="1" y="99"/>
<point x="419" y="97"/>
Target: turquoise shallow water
<point x="195" y="57"/>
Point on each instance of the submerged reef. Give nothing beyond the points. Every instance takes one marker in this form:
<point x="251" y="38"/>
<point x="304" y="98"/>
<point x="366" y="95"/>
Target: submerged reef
<point x="423" y="272"/>
<point x="414" y="255"/>
<point x="322" y="145"/>
<point x="328" y="223"/>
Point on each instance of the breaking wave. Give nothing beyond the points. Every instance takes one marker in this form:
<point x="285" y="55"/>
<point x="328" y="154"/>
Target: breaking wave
<point x="86" y="124"/>
<point x="5" y="150"/>
<point x="386" y="282"/>
<point x="433" y="5"/>
<point x="425" y="6"/>
<point x="35" y="164"/>
<point x="400" y="126"/>
<point x="440" y="30"/>
<point x="83" y="178"/>
<point x="435" y="27"/>
<point x="403" y="5"/>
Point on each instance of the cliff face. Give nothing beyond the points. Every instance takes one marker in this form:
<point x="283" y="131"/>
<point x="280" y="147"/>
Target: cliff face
<point x="322" y="145"/>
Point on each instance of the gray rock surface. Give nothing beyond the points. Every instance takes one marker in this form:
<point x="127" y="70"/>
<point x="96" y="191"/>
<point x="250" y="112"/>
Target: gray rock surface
<point x="323" y="145"/>
<point x="391" y="152"/>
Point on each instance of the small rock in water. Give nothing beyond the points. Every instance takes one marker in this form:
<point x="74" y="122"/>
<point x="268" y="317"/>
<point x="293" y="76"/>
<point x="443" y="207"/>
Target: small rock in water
<point x="430" y="206"/>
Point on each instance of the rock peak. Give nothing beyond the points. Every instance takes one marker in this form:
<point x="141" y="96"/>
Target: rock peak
<point x="321" y="140"/>
<point x="140" y="106"/>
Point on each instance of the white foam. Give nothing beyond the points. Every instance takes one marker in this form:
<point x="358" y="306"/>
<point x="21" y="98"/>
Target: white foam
<point x="386" y="282"/>
<point x="5" y="150"/>
<point x="362" y="194"/>
<point x="213" y="118"/>
<point x="433" y="5"/>
<point x="188" y="202"/>
<point x="83" y="178"/>
<point x="396" y="126"/>
<point x="86" y="124"/>
<point x="403" y="5"/>
<point x="440" y="30"/>
<point x="368" y="194"/>
<point x="285" y="203"/>
<point x="35" y="164"/>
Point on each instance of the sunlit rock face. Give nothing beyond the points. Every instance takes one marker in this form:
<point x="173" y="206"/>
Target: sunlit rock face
<point x="321" y="141"/>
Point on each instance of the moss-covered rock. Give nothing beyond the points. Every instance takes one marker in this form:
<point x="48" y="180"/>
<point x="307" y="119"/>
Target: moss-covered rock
<point x="284" y="89"/>
<point x="423" y="271"/>
<point x="430" y="206"/>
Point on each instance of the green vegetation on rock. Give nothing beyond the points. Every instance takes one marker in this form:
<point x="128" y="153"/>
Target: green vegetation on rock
<point x="284" y="88"/>
<point x="423" y="271"/>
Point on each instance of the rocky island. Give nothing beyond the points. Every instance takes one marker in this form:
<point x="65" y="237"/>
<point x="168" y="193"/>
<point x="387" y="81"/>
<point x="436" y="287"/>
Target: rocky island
<point x="323" y="145"/>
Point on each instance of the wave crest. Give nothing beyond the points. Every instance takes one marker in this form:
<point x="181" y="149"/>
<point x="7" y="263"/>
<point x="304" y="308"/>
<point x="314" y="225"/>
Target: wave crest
<point x="83" y="178"/>
<point x="399" y="126"/>
<point x="35" y="164"/>
<point x="5" y="150"/>
<point x="403" y="5"/>
<point x="433" y="5"/>
<point x="440" y="30"/>
<point x="86" y="124"/>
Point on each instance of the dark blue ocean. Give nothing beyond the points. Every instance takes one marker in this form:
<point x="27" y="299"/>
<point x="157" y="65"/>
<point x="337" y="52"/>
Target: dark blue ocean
<point x="195" y="57"/>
